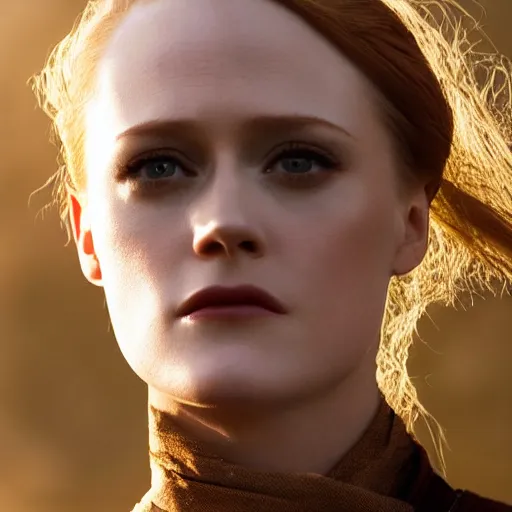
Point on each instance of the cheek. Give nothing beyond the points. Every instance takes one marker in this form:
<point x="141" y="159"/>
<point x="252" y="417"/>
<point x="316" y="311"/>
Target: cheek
<point x="346" y="254"/>
<point x="137" y="250"/>
<point x="136" y="240"/>
<point x="352" y="238"/>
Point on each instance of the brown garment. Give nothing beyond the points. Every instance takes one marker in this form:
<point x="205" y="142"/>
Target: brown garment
<point x="386" y="471"/>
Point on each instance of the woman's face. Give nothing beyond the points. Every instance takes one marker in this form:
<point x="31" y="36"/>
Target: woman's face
<point x="229" y="144"/>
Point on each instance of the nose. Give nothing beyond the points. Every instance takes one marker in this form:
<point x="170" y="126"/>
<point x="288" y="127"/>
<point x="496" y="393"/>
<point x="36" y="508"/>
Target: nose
<point x="216" y="239"/>
<point x="223" y="225"/>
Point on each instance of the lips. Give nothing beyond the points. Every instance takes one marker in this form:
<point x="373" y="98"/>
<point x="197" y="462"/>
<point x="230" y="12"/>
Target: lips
<point x="222" y="297"/>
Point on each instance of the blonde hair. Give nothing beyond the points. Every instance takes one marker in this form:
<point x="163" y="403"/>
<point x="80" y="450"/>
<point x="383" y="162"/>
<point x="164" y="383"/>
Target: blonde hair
<point x="471" y="215"/>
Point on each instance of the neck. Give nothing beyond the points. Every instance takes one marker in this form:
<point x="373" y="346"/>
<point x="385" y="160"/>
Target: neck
<point x="309" y="436"/>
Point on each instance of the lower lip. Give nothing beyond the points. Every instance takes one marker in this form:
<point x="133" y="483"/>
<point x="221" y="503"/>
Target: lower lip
<point x="228" y="313"/>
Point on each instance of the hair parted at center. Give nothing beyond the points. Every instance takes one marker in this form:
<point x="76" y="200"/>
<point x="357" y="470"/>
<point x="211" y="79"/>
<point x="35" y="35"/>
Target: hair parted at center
<point x="448" y="106"/>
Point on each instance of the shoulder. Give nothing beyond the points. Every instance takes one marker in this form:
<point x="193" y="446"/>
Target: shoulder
<point x="147" y="505"/>
<point x="430" y="492"/>
<point x="471" y="502"/>
<point x="441" y="497"/>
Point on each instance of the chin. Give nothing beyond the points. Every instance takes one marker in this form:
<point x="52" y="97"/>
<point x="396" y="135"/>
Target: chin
<point x="244" y="387"/>
<point x="235" y="389"/>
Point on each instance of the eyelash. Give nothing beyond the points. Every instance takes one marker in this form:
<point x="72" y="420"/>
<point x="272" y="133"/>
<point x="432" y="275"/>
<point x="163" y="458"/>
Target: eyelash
<point x="131" y="171"/>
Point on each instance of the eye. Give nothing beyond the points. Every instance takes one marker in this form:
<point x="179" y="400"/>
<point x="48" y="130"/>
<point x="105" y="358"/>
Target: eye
<point x="158" y="171"/>
<point x="155" y="167"/>
<point x="302" y="161"/>
<point x="160" y="168"/>
<point x="301" y="164"/>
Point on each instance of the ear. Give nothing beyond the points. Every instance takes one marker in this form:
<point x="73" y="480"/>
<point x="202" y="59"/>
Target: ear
<point x="82" y="235"/>
<point x="413" y="232"/>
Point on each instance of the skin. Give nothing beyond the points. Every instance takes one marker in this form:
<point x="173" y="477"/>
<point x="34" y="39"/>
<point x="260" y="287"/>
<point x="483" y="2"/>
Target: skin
<point x="210" y="81"/>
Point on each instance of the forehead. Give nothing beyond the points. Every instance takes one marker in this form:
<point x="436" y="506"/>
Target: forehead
<point x="221" y="61"/>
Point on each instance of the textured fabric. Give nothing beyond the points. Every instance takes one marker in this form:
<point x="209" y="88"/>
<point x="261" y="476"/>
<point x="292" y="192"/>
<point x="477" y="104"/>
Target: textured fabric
<point x="386" y="471"/>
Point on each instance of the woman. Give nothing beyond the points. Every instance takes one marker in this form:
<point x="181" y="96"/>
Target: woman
<point x="271" y="192"/>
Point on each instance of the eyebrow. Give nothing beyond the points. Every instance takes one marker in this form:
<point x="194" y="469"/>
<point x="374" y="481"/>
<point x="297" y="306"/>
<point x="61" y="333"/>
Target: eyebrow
<point x="261" y="124"/>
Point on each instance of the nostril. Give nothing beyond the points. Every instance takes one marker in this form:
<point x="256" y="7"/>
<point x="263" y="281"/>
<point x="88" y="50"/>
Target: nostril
<point x="248" y="246"/>
<point x="212" y="248"/>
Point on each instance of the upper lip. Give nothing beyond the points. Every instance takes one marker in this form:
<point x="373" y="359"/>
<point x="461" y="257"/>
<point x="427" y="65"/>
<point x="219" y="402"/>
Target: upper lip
<point x="218" y="296"/>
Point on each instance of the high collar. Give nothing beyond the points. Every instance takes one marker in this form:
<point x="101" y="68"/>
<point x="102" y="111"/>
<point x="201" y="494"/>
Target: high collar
<point x="375" y="475"/>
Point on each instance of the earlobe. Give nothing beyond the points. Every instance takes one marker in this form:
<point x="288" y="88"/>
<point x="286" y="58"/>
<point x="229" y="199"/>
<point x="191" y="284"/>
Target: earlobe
<point x="82" y="235"/>
<point x="414" y="239"/>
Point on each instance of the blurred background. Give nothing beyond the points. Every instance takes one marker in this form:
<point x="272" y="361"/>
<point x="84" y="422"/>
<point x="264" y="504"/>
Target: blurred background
<point x="73" y="416"/>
